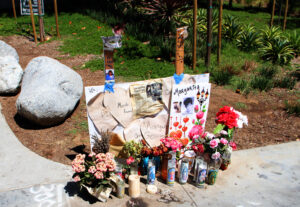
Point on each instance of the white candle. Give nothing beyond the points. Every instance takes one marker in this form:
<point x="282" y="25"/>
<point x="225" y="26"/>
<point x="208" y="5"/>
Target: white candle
<point x="134" y="186"/>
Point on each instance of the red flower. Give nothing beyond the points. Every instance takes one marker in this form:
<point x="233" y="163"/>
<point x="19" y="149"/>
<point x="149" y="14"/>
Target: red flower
<point x="233" y="145"/>
<point x="200" y="148"/>
<point x="227" y="116"/>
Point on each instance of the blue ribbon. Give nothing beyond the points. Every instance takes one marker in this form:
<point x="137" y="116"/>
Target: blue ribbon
<point x="109" y="86"/>
<point x="178" y="78"/>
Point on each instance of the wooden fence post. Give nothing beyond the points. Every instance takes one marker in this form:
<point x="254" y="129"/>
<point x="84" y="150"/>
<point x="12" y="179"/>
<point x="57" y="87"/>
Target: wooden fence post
<point x="56" y="19"/>
<point x="32" y="21"/>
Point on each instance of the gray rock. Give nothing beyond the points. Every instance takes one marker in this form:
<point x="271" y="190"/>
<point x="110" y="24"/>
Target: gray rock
<point x="50" y="91"/>
<point x="7" y="50"/>
<point x="10" y="75"/>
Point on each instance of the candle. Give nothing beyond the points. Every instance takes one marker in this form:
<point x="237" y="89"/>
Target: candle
<point x="134" y="186"/>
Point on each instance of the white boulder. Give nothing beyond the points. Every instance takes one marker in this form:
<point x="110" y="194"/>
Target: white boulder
<point x="7" y="50"/>
<point x="10" y="75"/>
<point x="50" y="91"/>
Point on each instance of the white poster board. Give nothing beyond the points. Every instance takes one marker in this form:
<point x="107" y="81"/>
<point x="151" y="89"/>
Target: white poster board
<point x="133" y="130"/>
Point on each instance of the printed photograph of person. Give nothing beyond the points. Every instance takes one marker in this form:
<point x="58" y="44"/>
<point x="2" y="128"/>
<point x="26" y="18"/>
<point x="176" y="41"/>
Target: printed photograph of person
<point x="109" y="75"/>
<point x="177" y="106"/>
<point x="188" y="105"/>
<point x="154" y="91"/>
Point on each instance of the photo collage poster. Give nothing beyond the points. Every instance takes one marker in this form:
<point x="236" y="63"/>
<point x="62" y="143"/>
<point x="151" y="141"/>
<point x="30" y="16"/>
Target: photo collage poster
<point x="183" y="102"/>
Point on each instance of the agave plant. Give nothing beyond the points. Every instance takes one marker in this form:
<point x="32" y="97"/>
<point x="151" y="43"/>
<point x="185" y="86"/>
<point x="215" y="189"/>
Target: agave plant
<point x="162" y="10"/>
<point x="294" y="40"/>
<point x="278" y="51"/>
<point x="248" y="38"/>
<point x="231" y="27"/>
<point x="270" y="34"/>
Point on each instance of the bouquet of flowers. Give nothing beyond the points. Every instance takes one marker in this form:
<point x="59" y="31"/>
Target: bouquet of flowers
<point x="93" y="170"/>
<point x="93" y="173"/>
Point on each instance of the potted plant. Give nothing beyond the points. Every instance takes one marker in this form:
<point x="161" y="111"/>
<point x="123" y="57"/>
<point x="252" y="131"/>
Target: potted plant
<point x="93" y="172"/>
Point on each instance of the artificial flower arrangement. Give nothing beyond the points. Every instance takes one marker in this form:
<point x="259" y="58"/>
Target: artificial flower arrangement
<point x="220" y="144"/>
<point x="132" y="152"/>
<point x="93" y="173"/>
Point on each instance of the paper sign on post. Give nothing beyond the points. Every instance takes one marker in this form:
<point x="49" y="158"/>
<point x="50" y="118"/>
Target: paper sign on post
<point x="25" y="10"/>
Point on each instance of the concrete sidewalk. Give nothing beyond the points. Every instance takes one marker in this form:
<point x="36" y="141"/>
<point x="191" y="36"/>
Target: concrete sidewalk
<point x="266" y="176"/>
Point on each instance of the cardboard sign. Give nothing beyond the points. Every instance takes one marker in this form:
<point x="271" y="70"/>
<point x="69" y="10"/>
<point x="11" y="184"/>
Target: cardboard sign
<point x="25" y="10"/>
<point x="184" y="99"/>
<point x="133" y="132"/>
<point x="119" y="105"/>
<point x="101" y="117"/>
<point x="154" y="129"/>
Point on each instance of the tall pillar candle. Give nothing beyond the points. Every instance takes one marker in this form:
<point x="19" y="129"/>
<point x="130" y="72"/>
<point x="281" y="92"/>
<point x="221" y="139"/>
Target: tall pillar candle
<point x="134" y="186"/>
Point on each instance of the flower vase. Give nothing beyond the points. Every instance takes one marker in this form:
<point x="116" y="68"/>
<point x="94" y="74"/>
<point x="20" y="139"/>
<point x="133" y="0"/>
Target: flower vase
<point x="225" y="164"/>
<point x="102" y="193"/>
<point x="157" y="161"/>
<point x="144" y="165"/>
<point x="213" y="169"/>
<point x="164" y="166"/>
<point x="134" y="168"/>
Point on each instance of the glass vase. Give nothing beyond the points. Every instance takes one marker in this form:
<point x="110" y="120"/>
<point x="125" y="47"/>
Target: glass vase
<point x="213" y="169"/>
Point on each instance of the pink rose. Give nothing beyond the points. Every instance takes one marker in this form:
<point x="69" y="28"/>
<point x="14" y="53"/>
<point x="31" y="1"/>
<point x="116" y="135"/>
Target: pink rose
<point x="202" y="121"/>
<point x="196" y="108"/>
<point x="92" y="169"/>
<point x="76" y="178"/>
<point x="199" y="115"/>
<point x="130" y="160"/>
<point x="101" y="157"/>
<point x="233" y="145"/>
<point x="92" y="154"/>
<point x="215" y="155"/>
<point x="101" y="166"/>
<point x="196" y="130"/>
<point x="99" y="175"/>
<point x="193" y="121"/>
<point x="213" y="143"/>
<point x="224" y="141"/>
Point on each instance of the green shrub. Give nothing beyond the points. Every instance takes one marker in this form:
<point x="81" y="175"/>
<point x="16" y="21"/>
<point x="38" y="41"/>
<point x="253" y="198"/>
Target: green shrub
<point x="270" y="34"/>
<point x="294" y="40"/>
<point x="248" y="39"/>
<point x="293" y="107"/>
<point x="268" y="71"/>
<point x="261" y="83"/>
<point x="286" y="82"/>
<point x="222" y="76"/>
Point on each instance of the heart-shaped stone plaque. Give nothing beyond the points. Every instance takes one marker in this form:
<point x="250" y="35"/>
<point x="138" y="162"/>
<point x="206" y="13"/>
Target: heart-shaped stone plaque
<point x="119" y="105"/>
<point x="99" y="115"/>
<point x="153" y="129"/>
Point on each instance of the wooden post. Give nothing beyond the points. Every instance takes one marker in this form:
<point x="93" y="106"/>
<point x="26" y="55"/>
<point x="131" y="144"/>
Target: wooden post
<point x="195" y="35"/>
<point x="272" y="15"/>
<point x="179" y="62"/>
<point x="56" y="19"/>
<point x="220" y="31"/>
<point x="209" y="33"/>
<point x="41" y="21"/>
<point x="280" y="8"/>
<point x="32" y="21"/>
<point x="14" y="9"/>
<point x="285" y="14"/>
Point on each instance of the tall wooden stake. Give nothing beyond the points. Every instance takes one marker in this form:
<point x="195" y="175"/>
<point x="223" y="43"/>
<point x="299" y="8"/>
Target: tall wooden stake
<point x="14" y="9"/>
<point x="32" y="21"/>
<point x="209" y="34"/>
<point x="272" y="15"/>
<point x="195" y="35"/>
<point x="179" y="62"/>
<point x="41" y="21"/>
<point x="56" y="19"/>
<point x="285" y="14"/>
<point x="220" y="31"/>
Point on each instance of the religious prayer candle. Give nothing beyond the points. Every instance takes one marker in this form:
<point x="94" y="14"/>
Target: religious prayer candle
<point x="134" y="186"/>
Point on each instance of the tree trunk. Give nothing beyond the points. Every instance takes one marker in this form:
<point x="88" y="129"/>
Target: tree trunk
<point x="209" y="33"/>
<point x="285" y="13"/>
<point x="272" y="14"/>
<point x="220" y="31"/>
<point x="41" y="21"/>
<point x="195" y="35"/>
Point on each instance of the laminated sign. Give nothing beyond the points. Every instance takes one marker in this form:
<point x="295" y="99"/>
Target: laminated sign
<point x="25" y="10"/>
<point x="146" y="98"/>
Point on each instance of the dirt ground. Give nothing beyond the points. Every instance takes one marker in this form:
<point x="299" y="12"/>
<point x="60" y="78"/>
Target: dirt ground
<point x="268" y="122"/>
